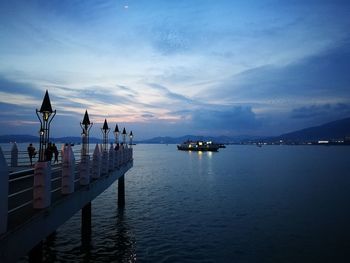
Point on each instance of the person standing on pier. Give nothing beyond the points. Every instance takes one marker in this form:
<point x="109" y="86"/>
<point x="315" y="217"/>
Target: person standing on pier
<point x="31" y="153"/>
<point x="48" y="152"/>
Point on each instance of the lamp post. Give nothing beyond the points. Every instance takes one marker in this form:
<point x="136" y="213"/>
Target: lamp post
<point x="45" y="116"/>
<point x="116" y="134"/>
<point x="105" y="130"/>
<point x="131" y="137"/>
<point x="124" y="137"/>
<point x="86" y="126"/>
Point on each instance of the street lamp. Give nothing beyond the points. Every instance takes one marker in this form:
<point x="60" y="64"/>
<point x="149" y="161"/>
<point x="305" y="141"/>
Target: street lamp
<point x="86" y="126"/>
<point x="45" y="117"/>
<point x="116" y="134"/>
<point x="131" y="137"/>
<point x="105" y="130"/>
<point x="124" y="136"/>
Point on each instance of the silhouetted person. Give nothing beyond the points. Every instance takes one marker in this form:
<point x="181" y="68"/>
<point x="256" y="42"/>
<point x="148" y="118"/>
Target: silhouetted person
<point x="55" y="152"/>
<point x="48" y="152"/>
<point x="116" y="147"/>
<point x="31" y="153"/>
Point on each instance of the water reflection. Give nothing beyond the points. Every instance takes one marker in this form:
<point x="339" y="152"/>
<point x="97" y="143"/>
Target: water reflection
<point x="110" y="241"/>
<point x="48" y="252"/>
<point x="124" y="249"/>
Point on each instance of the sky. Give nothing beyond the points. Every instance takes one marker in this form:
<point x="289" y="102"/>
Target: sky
<point x="172" y="68"/>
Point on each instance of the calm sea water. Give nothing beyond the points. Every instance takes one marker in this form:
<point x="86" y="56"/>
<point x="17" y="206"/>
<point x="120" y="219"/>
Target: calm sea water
<point x="241" y="204"/>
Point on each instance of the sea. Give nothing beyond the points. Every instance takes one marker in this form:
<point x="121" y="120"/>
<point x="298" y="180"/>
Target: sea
<point x="244" y="203"/>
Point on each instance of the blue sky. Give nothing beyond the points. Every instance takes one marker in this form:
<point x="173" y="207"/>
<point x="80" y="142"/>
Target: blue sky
<point x="175" y="67"/>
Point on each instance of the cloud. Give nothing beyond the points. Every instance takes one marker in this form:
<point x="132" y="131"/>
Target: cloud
<point x="15" y="87"/>
<point x="148" y="115"/>
<point x="232" y="119"/>
<point x="228" y="65"/>
<point x="329" y="111"/>
<point x="316" y="78"/>
<point x="171" y="95"/>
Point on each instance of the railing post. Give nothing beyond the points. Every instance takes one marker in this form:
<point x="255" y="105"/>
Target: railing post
<point x="4" y="186"/>
<point x="111" y="158"/>
<point x="68" y="168"/>
<point x="96" y="163"/>
<point x="62" y="151"/>
<point x="84" y="169"/>
<point x="104" y="162"/>
<point x="42" y="185"/>
<point x="14" y="155"/>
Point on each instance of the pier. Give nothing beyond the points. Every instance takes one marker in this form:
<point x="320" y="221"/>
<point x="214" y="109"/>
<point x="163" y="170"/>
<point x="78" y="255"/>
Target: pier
<point x="35" y="201"/>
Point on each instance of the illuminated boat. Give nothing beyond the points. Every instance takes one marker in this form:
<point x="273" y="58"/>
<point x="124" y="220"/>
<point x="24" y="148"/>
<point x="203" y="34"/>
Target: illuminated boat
<point x="198" y="146"/>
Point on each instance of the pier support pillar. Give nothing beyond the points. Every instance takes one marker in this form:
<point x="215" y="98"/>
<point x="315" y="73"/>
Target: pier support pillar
<point x="121" y="156"/>
<point x="116" y="157"/>
<point x="86" y="224"/>
<point x="4" y="189"/>
<point x="121" y="191"/>
<point x="36" y="254"/>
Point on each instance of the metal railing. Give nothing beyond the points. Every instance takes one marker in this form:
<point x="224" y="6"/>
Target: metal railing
<point x="24" y="160"/>
<point x="21" y="185"/>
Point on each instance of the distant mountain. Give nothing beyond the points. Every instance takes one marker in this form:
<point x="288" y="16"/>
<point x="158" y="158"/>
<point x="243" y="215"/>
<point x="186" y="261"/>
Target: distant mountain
<point x="18" y="138"/>
<point x="74" y="139"/>
<point x="217" y="139"/>
<point x="332" y="130"/>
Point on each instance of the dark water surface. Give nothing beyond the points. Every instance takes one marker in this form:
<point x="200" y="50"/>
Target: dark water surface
<point x="242" y="204"/>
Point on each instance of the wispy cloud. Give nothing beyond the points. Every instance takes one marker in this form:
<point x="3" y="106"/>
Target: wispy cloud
<point x="259" y="65"/>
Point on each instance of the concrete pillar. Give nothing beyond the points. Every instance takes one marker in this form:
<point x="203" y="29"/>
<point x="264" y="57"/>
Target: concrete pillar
<point x="42" y="185"/>
<point x="68" y="169"/>
<point x="121" y="154"/>
<point x="35" y="255"/>
<point x="4" y="186"/>
<point x="96" y="163"/>
<point x="118" y="158"/>
<point x="129" y="154"/>
<point x="111" y="158"/>
<point x="86" y="224"/>
<point x="84" y="170"/>
<point x="104" y="163"/>
<point x="121" y="191"/>
<point x="125" y="152"/>
<point x="14" y="155"/>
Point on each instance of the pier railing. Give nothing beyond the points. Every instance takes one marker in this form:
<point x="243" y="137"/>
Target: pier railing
<point x="66" y="177"/>
<point x="17" y="158"/>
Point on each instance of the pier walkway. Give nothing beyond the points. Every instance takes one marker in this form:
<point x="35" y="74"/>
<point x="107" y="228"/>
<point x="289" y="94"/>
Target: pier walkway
<point x="33" y="206"/>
